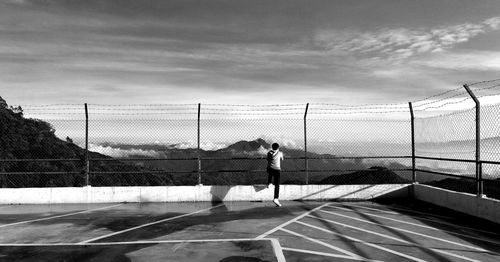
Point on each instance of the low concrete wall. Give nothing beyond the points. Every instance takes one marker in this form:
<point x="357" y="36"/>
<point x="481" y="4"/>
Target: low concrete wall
<point x="485" y="208"/>
<point x="197" y="193"/>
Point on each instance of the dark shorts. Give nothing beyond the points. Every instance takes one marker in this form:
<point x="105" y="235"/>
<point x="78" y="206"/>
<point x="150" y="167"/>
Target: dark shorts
<point x="274" y="175"/>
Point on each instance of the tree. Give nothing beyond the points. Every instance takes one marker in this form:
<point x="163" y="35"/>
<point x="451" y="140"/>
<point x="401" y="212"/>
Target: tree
<point x="3" y="104"/>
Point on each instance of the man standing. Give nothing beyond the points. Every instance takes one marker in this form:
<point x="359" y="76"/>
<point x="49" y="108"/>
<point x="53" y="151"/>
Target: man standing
<point x="274" y="158"/>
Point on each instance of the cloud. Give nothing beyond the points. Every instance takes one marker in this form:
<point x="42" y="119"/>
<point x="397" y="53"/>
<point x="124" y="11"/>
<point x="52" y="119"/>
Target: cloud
<point x="472" y="60"/>
<point x="17" y="2"/>
<point x="493" y="23"/>
<point x="123" y="153"/>
<point x="401" y="43"/>
<point x="203" y="145"/>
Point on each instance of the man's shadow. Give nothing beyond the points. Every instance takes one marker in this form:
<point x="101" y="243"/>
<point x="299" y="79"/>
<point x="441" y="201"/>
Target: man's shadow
<point x="219" y="193"/>
<point x="259" y="188"/>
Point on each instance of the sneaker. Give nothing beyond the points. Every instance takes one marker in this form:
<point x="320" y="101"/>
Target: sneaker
<point x="277" y="202"/>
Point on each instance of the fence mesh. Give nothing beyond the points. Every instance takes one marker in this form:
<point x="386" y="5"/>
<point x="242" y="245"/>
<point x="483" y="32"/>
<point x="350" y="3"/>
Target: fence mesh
<point x="488" y="93"/>
<point x="222" y="144"/>
<point x="216" y="144"/>
<point x="445" y="129"/>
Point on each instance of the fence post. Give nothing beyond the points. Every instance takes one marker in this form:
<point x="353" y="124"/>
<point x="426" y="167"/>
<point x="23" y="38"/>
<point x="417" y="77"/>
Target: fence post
<point x="413" y="168"/>
<point x="198" y="150"/>
<point x="479" y="175"/>
<point x="305" y="145"/>
<point x="87" y="161"/>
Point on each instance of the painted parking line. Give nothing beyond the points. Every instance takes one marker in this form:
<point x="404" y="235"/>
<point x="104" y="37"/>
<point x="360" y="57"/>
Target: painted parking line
<point x="363" y="242"/>
<point x="402" y="209"/>
<point x="59" y="216"/>
<point x="324" y="254"/>
<point x="409" y="231"/>
<point x="374" y="209"/>
<point x="396" y="239"/>
<point x="458" y="226"/>
<point x="148" y="224"/>
<point x="425" y="219"/>
<point x="343" y="251"/>
<point x="278" y="250"/>
<point x="430" y="227"/>
<point x="290" y="221"/>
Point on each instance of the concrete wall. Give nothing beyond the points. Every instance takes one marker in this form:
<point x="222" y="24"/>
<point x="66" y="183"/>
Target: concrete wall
<point x="485" y="208"/>
<point x="197" y="193"/>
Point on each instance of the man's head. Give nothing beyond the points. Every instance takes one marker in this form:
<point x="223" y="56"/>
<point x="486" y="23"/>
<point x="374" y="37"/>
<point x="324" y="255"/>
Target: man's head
<point x="275" y="146"/>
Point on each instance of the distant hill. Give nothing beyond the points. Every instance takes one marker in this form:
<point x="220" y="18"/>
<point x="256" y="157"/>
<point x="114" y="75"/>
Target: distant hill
<point x="248" y="146"/>
<point x="227" y="166"/>
<point x="22" y="138"/>
<point x="374" y="175"/>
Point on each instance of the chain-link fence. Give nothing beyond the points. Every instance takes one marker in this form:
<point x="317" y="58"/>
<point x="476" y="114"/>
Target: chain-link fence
<point x="458" y="139"/>
<point x="211" y="144"/>
<point x="222" y="144"/>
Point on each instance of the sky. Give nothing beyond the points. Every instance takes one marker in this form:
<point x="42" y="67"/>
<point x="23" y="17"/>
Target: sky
<point x="243" y="51"/>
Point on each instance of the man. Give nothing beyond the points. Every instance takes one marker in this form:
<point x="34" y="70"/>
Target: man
<point x="274" y="158"/>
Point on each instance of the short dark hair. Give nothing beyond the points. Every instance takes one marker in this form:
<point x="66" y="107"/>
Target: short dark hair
<point x="275" y="146"/>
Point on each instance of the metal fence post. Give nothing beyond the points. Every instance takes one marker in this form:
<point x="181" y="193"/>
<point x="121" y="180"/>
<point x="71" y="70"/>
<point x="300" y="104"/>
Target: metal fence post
<point x="479" y="175"/>
<point x="198" y="150"/>
<point x="305" y="145"/>
<point x="413" y="168"/>
<point x="87" y="161"/>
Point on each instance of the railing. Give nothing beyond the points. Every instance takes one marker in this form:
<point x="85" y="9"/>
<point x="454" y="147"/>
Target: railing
<point x="258" y="175"/>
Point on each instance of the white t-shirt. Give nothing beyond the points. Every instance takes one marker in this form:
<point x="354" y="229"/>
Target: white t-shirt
<point x="275" y="162"/>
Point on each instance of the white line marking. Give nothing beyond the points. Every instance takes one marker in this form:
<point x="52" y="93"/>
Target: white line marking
<point x="426" y="219"/>
<point x="408" y="231"/>
<point x="430" y="227"/>
<point x="345" y="252"/>
<point x="278" y="251"/>
<point x="364" y="242"/>
<point x="148" y="224"/>
<point x="326" y="254"/>
<point x="65" y="215"/>
<point x="404" y="209"/>
<point x="360" y="229"/>
<point x="289" y="222"/>
<point x="396" y="239"/>
<point x="376" y="209"/>
<point x="456" y="226"/>
<point x="131" y="242"/>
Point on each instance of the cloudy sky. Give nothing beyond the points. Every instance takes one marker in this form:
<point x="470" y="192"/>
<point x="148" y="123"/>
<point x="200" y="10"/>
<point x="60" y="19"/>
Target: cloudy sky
<point x="243" y="51"/>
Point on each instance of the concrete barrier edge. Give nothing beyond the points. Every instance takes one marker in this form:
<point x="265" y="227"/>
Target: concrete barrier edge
<point x="89" y="194"/>
<point x="485" y="208"/>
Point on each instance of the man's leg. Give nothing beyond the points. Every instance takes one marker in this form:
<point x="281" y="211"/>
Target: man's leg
<point x="276" y="184"/>
<point x="269" y="176"/>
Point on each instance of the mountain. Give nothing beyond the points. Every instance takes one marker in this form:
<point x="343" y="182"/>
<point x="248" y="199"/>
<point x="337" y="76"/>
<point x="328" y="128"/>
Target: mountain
<point x="244" y="162"/>
<point x="248" y="146"/>
<point x="43" y="157"/>
<point x="374" y="175"/>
